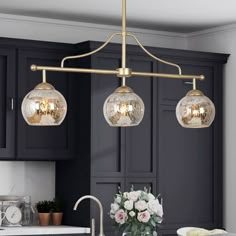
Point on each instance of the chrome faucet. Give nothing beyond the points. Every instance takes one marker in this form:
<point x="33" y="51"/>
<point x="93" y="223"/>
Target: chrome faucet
<point x="100" y="208"/>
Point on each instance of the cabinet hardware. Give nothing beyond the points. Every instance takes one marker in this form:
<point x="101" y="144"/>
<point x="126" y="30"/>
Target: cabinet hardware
<point x="12" y="104"/>
<point x="188" y="82"/>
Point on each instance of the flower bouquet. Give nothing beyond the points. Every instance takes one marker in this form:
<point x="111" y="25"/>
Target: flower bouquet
<point x="136" y="212"/>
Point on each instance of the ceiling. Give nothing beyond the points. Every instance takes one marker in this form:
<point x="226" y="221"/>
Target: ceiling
<point x="182" y="16"/>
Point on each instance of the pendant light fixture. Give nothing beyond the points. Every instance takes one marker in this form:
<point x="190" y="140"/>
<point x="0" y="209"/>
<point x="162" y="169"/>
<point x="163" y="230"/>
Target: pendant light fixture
<point x="123" y="108"/>
<point x="44" y="106"/>
<point x="195" y="110"/>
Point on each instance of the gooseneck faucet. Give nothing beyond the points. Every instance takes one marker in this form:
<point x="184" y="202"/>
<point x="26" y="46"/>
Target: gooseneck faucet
<point x="100" y="208"/>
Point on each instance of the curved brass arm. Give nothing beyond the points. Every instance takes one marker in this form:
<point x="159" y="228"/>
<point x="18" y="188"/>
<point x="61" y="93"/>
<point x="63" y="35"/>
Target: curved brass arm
<point x="151" y="55"/>
<point x="89" y="53"/>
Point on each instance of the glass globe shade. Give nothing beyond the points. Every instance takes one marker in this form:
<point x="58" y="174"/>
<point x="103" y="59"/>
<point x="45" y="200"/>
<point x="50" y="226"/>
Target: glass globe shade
<point x="44" y="106"/>
<point x="195" y="110"/>
<point x="123" y="108"/>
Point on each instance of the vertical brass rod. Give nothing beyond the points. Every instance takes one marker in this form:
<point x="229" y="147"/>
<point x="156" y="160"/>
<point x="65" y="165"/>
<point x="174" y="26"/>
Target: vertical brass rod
<point x="44" y="76"/>
<point x="123" y="38"/>
<point x="123" y="33"/>
<point x="194" y="84"/>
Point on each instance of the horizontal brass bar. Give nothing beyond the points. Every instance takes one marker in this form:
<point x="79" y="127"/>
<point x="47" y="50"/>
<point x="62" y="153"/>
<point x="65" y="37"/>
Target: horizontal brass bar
<point x="76" y="70"/>
<point x="170" y="76"/>
<point x="115" y="72"/>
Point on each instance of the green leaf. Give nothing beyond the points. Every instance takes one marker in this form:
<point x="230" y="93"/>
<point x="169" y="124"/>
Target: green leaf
<point x="134" y="227"/>
<point x="153" y="223"/>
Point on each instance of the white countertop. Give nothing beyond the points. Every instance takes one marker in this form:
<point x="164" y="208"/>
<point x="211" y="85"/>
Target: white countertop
<point x="39" y="230"/>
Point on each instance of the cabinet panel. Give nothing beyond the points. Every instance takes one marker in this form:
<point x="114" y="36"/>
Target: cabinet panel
<point x="105" y="189"/>
<point x="170" y="91"/>
<point x="107" y="142"/>
<point x="183" y="165"/>
<point x="141" y="183"/>
<point x="44" y="143"/>
<point x="7" y="100"/>
<point x="186" y="172"/>
<point x="140" y="140"/>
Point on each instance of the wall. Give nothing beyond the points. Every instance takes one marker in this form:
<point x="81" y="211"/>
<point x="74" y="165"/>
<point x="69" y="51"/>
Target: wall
<point x="73" y="32"/>
<point x="38" y="178"/>
<point x="223" y="40"/>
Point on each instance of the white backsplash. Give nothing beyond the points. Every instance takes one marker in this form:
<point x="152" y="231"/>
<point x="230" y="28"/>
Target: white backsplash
<point x="36" y="179"/>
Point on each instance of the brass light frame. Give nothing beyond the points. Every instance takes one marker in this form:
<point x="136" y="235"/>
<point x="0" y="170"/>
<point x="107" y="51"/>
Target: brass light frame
<point x="111" y="108"/>
<point x="122" y="72"/>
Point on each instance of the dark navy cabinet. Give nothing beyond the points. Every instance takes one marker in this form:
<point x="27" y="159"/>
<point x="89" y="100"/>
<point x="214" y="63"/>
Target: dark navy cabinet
<point x="7" y="102"/>
<point x="44" y="143"/>
<point x="18" y="141"/>
<point x="190" y="160"/>
<point x="184" y="165"/>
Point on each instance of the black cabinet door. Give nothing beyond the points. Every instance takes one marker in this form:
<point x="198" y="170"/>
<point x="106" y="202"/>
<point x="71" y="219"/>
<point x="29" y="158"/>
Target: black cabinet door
<point x="140" y="141"/>
<point x="105" y="189"/>
<point x="188" y="166"/>
<point x="7" y="103"/>
<point x="44" y="143"/>
<point x="107" y="152"/>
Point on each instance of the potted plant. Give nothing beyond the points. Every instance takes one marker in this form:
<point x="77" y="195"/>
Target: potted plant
<point x="57" y="213"/>
<point x="44" y="209"/>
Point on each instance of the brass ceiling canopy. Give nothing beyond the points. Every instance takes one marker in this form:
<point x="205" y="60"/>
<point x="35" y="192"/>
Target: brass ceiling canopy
<point x="123" y="108"/>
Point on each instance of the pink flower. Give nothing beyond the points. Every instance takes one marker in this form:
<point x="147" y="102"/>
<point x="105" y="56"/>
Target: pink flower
<point x="141" y="205"/>
<point x="121" y="216"/>
<point x="133" y="196"/>
<point x="144" y="216"/>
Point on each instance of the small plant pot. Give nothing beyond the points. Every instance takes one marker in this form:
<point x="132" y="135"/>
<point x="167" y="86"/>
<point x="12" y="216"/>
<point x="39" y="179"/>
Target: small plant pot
<point x="44" y="219"/>
<point x="57" y="218"/>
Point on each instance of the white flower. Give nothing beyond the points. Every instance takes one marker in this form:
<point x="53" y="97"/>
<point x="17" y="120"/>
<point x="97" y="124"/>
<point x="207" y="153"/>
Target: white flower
<point x="114" y="208"/>
<point x="125" y="195"/>
<point x="160" y="211"/>
<point x="128" y="205"/>
<point x="121" y="216"/>
<point x="132" y="213"/>
<point x="154" y="207"/>
<point x="141" y="205"/>
<point x="112" y="215"/>
<point x="133" y="195"/>
<point x="151" y="197"/>
<point x="118" y="199"/>
<point x="143" y="216"/>
<point x="139" y="192"/>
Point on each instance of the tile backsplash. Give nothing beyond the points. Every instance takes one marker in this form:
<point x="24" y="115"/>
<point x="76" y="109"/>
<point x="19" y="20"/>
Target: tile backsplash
<point x="36" y="179"/>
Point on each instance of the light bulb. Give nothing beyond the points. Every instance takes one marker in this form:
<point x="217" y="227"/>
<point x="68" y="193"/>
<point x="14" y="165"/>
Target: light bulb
<point x="44" y="106"/>
<point x="195" y="110"/>
<point x="123" y="108"/>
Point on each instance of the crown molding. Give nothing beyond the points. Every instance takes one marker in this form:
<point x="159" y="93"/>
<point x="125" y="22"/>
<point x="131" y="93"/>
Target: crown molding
<point x="83" y="25"/>
<point x="212" y="31"/>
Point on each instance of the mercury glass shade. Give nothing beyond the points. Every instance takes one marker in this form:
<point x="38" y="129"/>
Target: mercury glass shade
<point x="44" y="106"/>
<point x="195" y="110"/>
<point x="123" y="108"/>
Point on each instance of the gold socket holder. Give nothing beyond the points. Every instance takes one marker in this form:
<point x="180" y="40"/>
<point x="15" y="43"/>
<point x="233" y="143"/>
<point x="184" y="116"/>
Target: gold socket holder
<point x="124" y="72"/>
